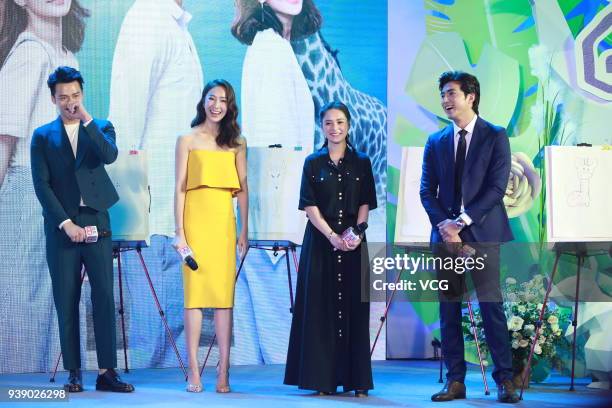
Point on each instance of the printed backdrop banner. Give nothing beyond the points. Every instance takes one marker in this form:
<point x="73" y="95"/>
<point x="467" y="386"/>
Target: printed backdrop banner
<point x="145" y="63"/>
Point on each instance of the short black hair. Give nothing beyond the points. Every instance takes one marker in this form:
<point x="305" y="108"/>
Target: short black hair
<point x="64" y="75"/>
<point x="468" y="83"/>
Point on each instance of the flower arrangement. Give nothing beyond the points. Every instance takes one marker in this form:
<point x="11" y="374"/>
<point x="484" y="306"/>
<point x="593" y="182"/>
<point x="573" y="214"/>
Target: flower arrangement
<point x="522" y="311"/>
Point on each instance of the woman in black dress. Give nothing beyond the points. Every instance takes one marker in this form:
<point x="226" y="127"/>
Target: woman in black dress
<point x="330" y="342"/>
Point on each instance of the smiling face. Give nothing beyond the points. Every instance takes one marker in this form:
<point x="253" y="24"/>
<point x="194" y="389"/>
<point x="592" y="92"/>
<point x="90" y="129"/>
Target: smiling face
<point x="215" y="104"/>
<point x="67" y="96"/>
<point x="46" y="8"/>
<point x="286" y="7"/>
<point x="335" y="126"/>
<point x="455" y="103"/>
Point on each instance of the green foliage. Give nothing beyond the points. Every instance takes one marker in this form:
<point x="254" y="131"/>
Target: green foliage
<point x="522" y="311"/>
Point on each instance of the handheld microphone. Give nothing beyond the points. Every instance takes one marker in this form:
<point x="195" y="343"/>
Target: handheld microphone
<point x="92" y="234"/>
<point x="352" y="234"/>
<point x="187" y="255"/>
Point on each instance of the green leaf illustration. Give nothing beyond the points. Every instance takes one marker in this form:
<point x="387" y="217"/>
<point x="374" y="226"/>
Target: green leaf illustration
<point x="498" y="75"/>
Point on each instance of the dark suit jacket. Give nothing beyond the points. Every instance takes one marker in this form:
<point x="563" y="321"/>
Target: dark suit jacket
<point x="60" y="180"/>
<point x="485" y="178"/>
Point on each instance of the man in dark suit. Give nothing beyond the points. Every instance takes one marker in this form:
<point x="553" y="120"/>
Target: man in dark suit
<point x="68" y="157"/>
<point x="465" y="173"/>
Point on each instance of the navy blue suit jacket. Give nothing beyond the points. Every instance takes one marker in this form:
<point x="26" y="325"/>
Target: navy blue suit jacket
<point x="60" y="179"/>
<point x="485" y="178"/>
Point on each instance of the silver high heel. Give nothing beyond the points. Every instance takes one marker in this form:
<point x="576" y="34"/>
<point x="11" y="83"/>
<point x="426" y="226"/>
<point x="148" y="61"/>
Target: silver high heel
<point x="194" y="387"/>
<point x="223" y="389"/>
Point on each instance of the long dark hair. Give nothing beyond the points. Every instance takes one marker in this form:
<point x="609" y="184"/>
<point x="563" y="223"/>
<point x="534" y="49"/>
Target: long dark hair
<point x="229" y="130"/>
<point x="15" y="20"/>
<point x="344" y="109"/>
<point x="249" y="20"/>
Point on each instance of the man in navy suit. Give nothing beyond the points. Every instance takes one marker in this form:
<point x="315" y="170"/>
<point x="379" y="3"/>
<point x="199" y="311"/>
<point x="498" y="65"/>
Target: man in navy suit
<point x="465" y="173"/>
<point x="68" y="157"/>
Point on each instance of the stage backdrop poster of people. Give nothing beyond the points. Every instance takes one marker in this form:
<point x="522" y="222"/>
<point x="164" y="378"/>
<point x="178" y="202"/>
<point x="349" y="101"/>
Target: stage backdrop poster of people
<point x="145" y="63"/>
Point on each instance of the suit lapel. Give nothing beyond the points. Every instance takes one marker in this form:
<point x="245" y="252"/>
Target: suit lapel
<point x="475" y="145"/>
<point x="82" y="146"/>
<point x="448" y="142"/>
<point x="62" y="142"/>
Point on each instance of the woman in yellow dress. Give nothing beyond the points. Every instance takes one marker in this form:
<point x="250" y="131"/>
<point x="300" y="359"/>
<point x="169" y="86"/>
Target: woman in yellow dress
<point x="210" y="171"/>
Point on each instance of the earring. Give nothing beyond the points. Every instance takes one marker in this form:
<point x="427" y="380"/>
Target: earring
<point x="261" y="3"/>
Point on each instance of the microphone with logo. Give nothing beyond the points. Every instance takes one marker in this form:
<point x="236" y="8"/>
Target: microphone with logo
<point x="187" y="255"/>
<point x="92" y="233"/>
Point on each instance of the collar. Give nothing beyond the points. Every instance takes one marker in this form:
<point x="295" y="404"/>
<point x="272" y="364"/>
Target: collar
<point x="349" y="155"/>
<point x="469" y="127"/>
<point x="182" y="16"/>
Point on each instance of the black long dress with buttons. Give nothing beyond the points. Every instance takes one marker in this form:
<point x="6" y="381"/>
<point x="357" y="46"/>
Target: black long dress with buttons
<point x="329" y="345"/>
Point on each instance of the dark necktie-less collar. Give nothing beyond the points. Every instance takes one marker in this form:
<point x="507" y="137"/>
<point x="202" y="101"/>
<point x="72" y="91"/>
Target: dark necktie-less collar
<point x="459" y="163"/>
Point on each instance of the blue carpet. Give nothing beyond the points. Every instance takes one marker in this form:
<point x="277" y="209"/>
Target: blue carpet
<point x="397" y="384"/>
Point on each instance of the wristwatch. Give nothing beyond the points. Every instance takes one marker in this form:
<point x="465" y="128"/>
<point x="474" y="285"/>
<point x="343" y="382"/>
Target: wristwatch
<point x="460" y="223"/>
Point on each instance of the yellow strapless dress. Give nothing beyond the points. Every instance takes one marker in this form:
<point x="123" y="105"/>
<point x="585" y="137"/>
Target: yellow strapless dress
<point x="210" y="228"/>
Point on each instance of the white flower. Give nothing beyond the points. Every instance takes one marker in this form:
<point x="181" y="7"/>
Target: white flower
<point x="524" y="185"/>
<point x="515" y="344"/>
<point x="510" y="281"/>
<point x="553" y="320"/>
<point x="537" y="116"/>
<point x="539" y="61"/>
<point x="512" y="297"/>
<point x="529" y="329"/>
<point x="523" y="343"/>
<point x="515" y="323"/>
<point x="485" y="363"/>
<point x="521" y="309"/>
<point x="542" y="340"/>
<point x="537" y="349"/>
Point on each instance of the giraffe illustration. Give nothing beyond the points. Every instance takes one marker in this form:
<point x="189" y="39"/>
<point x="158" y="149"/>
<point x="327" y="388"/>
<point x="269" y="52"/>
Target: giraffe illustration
<point x="584" y="169"/>
<point x="368" y="133"/>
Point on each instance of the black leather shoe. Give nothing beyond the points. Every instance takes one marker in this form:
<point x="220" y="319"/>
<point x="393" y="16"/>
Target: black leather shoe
<point x="110" y="381"/>
<point x="507" y="393"/>
<point x="452" y="390"/>
<point x="75" y="381"/>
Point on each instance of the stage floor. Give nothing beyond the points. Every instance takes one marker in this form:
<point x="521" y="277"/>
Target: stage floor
<point x="397" y="383"/>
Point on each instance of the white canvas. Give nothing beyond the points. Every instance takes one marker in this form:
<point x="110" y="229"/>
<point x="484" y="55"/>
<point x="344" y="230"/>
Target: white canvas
<point x="130" y="215"/>
<point x="579" y="193"/>
<point x="274" y="176"/>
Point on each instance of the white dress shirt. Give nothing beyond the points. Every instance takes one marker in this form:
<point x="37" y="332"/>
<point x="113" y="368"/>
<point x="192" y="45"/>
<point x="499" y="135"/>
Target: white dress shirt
<point x="25" y="101"/>
<point x="277" y="106"/>
<point x="156" y="83"/>
<point x="468" y="138"/>
<point x="72" y="131"/>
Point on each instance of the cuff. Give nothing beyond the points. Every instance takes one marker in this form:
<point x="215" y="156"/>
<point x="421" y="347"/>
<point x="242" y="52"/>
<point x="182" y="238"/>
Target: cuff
<point x="466" y="218"/>
<point x="88" y="122"/>
<point x="62" y="223"/>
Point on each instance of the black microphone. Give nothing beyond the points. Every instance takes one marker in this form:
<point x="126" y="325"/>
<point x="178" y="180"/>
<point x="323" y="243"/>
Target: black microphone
<point x="187" y="255"/>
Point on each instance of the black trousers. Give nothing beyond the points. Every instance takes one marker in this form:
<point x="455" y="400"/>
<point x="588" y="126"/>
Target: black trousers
<point x="65" y="258"/>
<point x="487" y="284"/>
